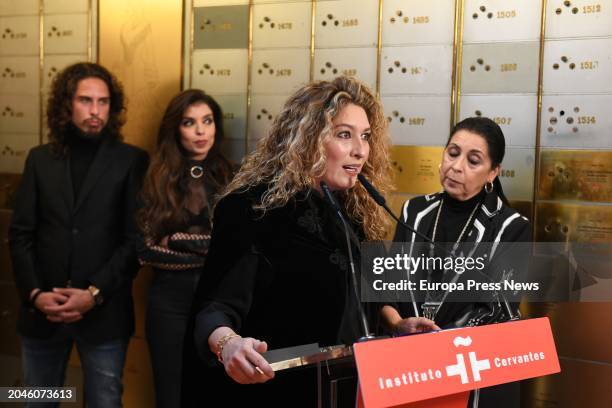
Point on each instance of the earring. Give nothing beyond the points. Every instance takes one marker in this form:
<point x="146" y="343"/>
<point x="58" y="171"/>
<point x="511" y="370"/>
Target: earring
<point x="488" y="187"/>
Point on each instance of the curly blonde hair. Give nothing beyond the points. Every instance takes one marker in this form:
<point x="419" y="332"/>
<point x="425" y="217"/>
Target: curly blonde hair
<point x="292" y="155"/>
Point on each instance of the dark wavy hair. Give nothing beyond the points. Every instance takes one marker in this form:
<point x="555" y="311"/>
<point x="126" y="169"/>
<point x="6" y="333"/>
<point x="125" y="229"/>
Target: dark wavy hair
<point x="496" y="143"/>
<point x="59" y="105"/>
<point x="165" y="189"/>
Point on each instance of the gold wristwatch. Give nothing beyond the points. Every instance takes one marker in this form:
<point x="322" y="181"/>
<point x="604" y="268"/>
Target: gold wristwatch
<point x="95" y="293"/>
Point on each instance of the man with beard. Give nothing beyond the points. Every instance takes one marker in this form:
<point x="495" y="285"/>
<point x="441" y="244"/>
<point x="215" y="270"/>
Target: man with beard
<point x="72" y="237"/>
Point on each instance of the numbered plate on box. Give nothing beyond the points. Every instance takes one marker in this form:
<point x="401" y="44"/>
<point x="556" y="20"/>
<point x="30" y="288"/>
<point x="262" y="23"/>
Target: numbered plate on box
<point x="53" y="64"/>
<point x="19" y="75"/>
<point x="501" y="20"/>
<point x="234" y="109"/>
<point x="346" y="23"/>
<point x="23" y="7"/>
<point x="517" y="173"/>
<point x="578" y="66"/>
<point x="574" y="121"/>
<point x="19" y="35"/>
<point x="515" y="114"/>
<point x="416" y="168"/>
<point x="418" y="22"/>
<point x="418" y="120"/>
<point x="220" y="71"/>
<point x="14" y="150"/>
<point x="221" y="27"/>
<point x="358" y="62"/>
<point x="282" y="25"/>
<point x="422" y="69"/>
<point x="279" y="1"/>
<point x="279" y="71"/>
<point x="500" y="68"/>
<point x="65" y="6"/>
<point x="580" y="175"/>
<point x="578" y="18"/>
<point x="66" y="34"/>
<point x="206" y="3"/>
<point x="263" y="110"/>
<point x="559" y="222"/>
<point x="19" y="114"/>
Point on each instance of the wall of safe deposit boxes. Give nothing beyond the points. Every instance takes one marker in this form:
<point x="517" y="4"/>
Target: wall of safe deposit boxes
<point x="544" y="75"/>
<point x="434" y="62"/>
<point x="38" y="38"/>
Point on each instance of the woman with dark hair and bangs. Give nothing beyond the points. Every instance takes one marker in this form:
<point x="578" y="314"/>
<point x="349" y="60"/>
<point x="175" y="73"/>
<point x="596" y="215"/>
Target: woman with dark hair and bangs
<point x="187" y="171"/>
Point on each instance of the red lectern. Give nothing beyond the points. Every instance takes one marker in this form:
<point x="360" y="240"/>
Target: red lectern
<point x="439" y="369"/>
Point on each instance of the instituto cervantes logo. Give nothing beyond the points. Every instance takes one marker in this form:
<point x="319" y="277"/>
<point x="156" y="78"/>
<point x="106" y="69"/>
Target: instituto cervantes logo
<point x="468" y="367"/>
<point x="427" y="366"/>
<point x="460" y="368"/>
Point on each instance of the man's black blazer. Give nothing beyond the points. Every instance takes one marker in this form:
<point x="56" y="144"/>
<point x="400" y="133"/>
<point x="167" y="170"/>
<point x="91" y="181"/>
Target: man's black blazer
<point x="56" y="238"/>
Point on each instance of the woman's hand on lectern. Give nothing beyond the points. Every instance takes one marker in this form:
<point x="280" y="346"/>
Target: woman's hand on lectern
<point x="412" y="325"/>
<point x="241" y="356"/>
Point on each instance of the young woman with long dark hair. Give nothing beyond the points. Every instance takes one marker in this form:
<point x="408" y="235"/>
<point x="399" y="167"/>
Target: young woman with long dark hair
<point x="187" y="171"/>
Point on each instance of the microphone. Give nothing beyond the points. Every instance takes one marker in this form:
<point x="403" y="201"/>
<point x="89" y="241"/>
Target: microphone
<point x="347" y="232"/>
<point x="373" y="192"/>
<point x="330" y="198"/>
<point x="380" y="200"/>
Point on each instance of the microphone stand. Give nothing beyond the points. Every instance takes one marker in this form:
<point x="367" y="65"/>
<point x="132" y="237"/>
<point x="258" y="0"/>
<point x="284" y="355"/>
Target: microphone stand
<point x="347" y="233"/>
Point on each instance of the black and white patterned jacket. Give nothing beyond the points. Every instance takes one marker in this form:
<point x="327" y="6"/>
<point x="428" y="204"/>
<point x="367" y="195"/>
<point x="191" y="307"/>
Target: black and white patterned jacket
<point x="494" y="223"/>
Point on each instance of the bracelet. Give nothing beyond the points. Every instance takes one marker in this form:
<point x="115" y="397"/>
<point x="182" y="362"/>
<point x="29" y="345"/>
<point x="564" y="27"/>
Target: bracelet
<point x="33" y="300"/>
<point x="222" y="342"/>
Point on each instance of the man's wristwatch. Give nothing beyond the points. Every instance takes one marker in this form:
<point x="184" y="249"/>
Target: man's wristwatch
<point x="95" y="293"/>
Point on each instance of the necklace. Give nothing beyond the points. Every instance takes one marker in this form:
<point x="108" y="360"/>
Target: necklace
<point x="430" y="307"/>
<point x="196" y="171"/>
<point x="435" y="230"/>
